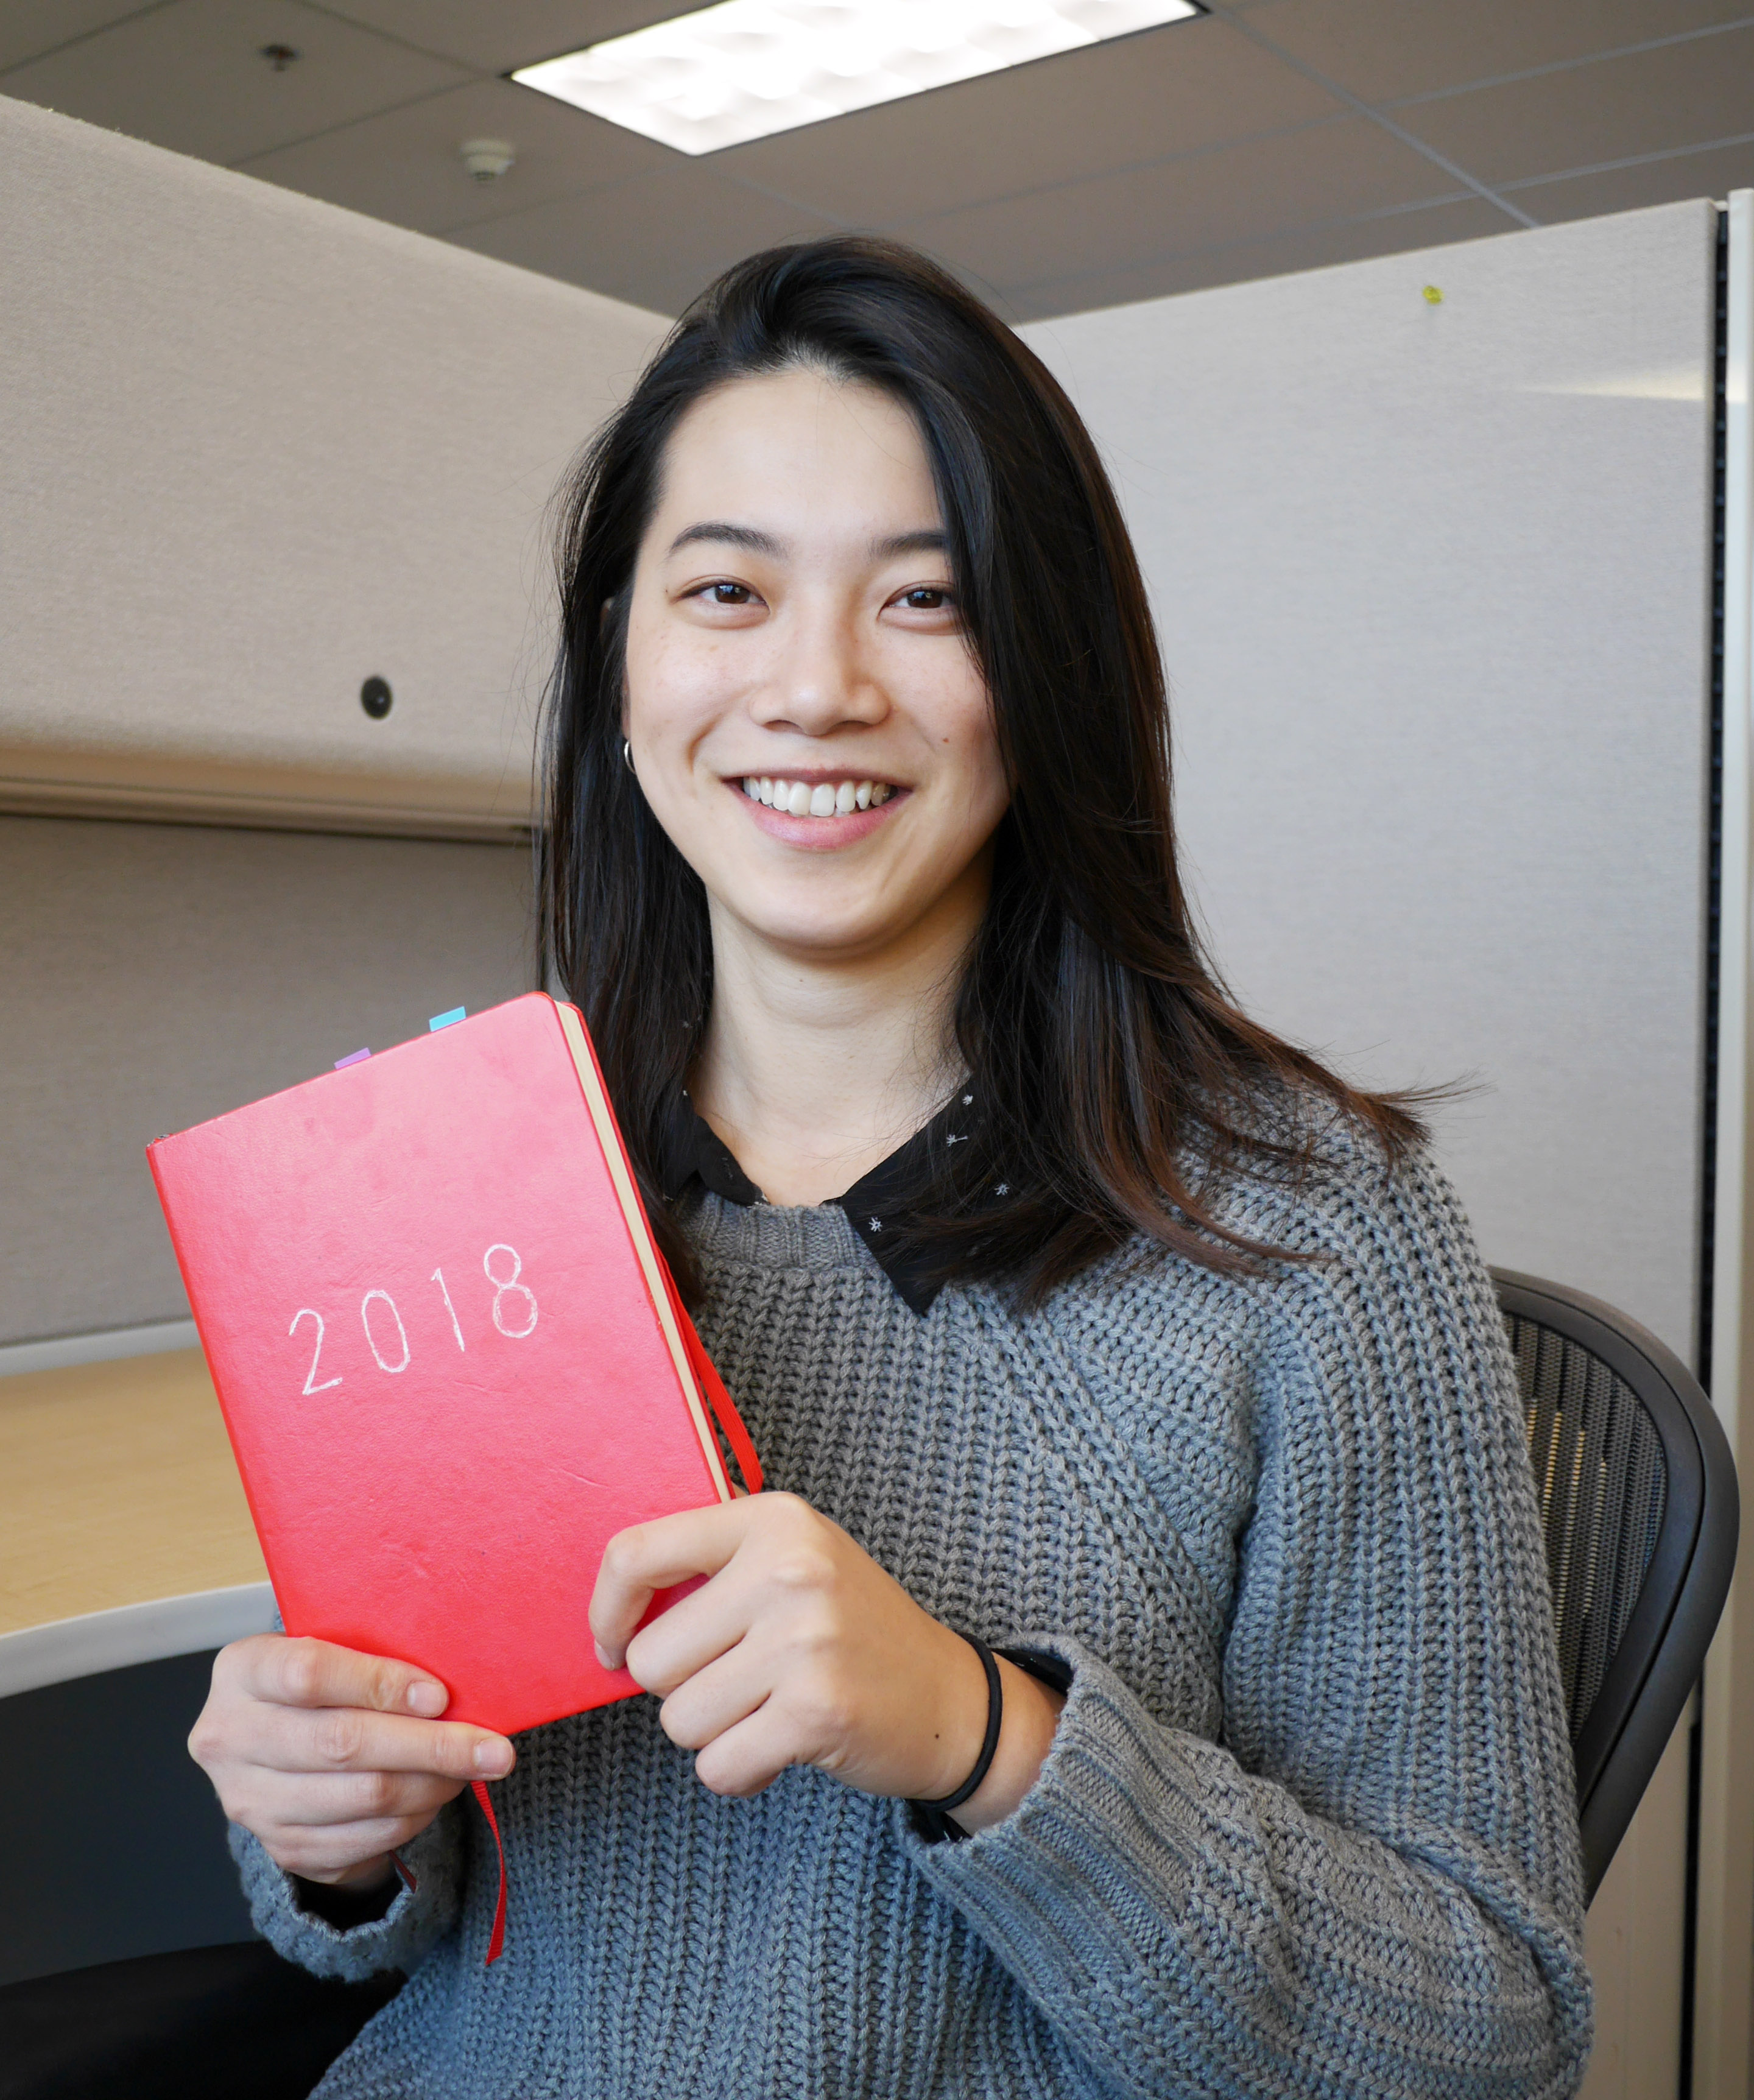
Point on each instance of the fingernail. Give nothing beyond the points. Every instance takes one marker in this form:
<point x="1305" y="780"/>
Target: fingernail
<point x="493" y="1760"/>
<point x="424" y="1696"/>
<point x="605" y="1657"/>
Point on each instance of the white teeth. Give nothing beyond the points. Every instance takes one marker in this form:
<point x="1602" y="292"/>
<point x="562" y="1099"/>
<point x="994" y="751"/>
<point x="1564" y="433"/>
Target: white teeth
<point x="825" y="798"/>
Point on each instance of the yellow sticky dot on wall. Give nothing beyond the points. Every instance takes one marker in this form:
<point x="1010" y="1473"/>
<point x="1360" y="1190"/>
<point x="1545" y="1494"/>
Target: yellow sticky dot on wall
<point x="1433" y="296"/>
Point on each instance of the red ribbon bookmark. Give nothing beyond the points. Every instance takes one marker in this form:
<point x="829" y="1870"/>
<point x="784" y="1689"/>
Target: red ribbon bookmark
<point x="410" y="1880"/>
<point x="496" y="1938"/>
<point x="720" y="1404"/>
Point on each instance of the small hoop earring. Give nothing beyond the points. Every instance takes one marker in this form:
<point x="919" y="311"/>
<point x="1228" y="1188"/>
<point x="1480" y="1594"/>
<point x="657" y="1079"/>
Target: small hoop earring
<point x="627" y="755"/>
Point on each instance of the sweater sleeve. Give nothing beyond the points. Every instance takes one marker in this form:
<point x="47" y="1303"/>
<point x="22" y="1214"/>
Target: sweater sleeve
<point x="401" y="1939"/>
<point x="1369" y="1885"/>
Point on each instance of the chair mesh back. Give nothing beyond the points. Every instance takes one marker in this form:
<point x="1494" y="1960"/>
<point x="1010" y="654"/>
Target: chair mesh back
<point x="1600" y="1475"/>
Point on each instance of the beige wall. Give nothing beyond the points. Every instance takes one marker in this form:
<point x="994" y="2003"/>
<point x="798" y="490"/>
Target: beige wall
<point x="1434" y="581"/>
<point x="157" y="974"/>
<point x="254" y="450"/>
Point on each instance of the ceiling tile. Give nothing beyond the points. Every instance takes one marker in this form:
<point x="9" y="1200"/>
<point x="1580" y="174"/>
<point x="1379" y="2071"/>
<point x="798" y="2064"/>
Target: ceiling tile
<point x="191" y="76"/>
<point x="1268" y="186"/>
<point x="1681" y="95"/>
<point x="496" y="35"/>
<point x="1380" y="49"/>
<point x="1431" y="226"/>
<point x="405" y="166"/>
<point x="28" y="28"/>
<point x="656" y="240"/>
<point x="1711" y="174"/>
<point x="1169" y="90"/>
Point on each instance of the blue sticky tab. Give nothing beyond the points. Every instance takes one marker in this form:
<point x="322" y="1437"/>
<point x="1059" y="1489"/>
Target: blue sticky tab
<point x="352" y="1057"/>
<point x="448" y="1020"/>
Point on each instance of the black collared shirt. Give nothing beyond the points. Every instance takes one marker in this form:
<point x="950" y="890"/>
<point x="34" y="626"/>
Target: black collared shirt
<point x="878" y="1204"/>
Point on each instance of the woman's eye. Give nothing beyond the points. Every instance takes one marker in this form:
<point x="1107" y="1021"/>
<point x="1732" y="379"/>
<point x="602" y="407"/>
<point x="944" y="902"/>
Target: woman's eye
<point x="928" y="598"/>
<point x="730" y="593"/>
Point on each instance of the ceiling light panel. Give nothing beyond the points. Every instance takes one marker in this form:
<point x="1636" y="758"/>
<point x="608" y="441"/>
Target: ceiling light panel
<point x="747" y="69"/>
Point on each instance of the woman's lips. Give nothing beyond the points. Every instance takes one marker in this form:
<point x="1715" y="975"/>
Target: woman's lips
<point x="818" y="834"/>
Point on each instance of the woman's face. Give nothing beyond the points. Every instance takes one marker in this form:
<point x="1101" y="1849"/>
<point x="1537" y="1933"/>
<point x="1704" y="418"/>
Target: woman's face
<point x="793" y="632"/>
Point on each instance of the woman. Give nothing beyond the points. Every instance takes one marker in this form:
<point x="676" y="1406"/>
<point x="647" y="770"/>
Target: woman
<point x="1070" y="1312"/>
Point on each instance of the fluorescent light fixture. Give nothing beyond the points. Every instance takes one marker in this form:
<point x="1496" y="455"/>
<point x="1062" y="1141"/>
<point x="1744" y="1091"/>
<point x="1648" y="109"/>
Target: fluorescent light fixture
<point x="747" y="69"/>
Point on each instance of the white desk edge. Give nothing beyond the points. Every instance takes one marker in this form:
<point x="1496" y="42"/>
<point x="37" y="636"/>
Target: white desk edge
<point x="36" y="1655"/>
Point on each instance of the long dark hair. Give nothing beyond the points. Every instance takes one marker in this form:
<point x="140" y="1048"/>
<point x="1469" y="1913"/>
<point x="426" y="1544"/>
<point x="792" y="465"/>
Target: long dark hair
<point x="1119" y="1084"/>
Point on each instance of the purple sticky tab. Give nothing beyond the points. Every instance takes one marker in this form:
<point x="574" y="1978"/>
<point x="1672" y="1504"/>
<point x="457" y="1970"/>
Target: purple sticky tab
<point x="352" y="1057"/>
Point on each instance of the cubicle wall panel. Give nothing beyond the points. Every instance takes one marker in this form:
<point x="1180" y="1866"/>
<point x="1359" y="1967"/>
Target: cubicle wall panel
<point x="116" y="1845"/>
<point x="254" y="450"/>
<point x="1428" y="539"/>
<point x="157" y="974"/>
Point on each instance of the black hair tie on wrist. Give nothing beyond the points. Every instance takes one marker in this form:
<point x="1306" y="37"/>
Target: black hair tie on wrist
<point x="988" y="1742"/>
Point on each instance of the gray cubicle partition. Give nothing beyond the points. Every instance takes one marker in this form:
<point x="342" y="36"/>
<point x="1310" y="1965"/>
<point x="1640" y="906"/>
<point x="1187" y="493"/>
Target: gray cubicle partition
<point x="1430" y="542"/>
<point x="118" y="1847"/>
<point x="161" y="973"/>
<point x="255" y="451"/>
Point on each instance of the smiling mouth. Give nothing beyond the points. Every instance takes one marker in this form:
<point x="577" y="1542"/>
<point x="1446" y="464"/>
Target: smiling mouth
<point x="820" y="798"/>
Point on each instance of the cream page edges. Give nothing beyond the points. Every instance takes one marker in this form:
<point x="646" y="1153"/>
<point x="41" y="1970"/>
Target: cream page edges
<point x="609" y="1139"/>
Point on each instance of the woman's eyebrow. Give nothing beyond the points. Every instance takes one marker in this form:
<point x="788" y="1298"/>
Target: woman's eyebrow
<point x="736" y="536"/>
<point x="929" y="541"/>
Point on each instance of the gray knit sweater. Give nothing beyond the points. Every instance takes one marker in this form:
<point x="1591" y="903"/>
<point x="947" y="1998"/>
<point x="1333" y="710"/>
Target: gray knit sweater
<point x="1307" y="1826"/>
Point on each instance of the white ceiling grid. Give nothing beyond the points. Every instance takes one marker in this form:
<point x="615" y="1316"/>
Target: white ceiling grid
<point x="1271" y="135"/>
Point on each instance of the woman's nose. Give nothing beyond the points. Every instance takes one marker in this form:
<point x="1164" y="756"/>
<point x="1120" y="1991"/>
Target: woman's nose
<point x="821" y="679"/>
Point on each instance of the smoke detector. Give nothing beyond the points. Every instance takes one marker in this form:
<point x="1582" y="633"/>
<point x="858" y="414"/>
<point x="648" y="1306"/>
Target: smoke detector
<point x="487" y="159"/>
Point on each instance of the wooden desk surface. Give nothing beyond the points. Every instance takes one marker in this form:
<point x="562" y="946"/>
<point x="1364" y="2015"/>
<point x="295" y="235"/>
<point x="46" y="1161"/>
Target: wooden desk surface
<point x="116" y="1486"/>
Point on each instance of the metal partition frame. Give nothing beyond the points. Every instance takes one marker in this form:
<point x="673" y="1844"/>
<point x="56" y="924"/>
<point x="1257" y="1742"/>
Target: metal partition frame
<point x="1724" y="1910"/>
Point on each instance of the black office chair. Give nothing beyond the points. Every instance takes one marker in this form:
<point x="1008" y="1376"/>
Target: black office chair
<point x="1638" y="1495"/>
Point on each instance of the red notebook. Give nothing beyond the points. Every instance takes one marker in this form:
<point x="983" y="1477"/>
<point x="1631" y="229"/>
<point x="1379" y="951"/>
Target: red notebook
<point x="451" y="1359"/>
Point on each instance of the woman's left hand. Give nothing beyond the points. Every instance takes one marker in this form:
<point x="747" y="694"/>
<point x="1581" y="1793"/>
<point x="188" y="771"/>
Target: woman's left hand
<point x="799" y="1649"/>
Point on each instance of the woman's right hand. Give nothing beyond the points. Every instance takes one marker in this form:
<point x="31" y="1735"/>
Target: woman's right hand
<point x="332" y="1759"/>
